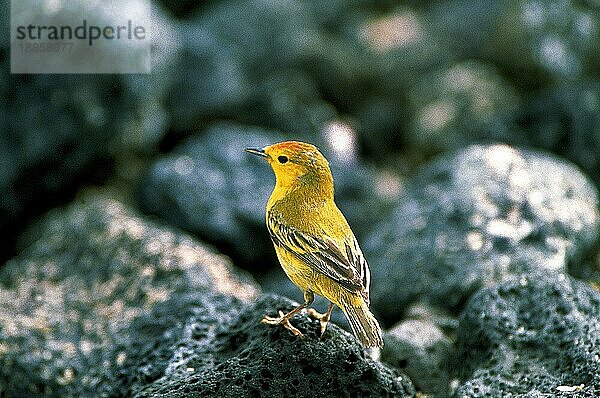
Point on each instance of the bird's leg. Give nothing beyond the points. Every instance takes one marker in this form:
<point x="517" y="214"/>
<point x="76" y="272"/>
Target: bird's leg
<point x="323" y="318"/>
<point x="284" y="319"/>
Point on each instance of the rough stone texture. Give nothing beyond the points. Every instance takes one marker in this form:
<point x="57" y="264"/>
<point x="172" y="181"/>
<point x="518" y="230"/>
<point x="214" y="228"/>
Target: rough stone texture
<point x="420" y="349"/>
<point x="90" y="269"/>
<point x="531" y="336"/>
<point x="558" y="38"/>
<point x="288" y="101"/>
<point x="475" y="217"/>
<point x="208" y="351"/>
<point x="210" y="186"/>
<point x="295" y="65"/>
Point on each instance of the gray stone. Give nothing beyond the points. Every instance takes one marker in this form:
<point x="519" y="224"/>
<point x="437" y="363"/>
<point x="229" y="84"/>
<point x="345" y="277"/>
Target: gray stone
<point x="420" y="349"/>
<point x="230" y="49"/>
<point x="473" y="218"/>
<point x="461" y="104"/>
<point x="210" y="186"/>
<point x="564" y="119"/>
<point x="287" y="101"/>
<point x="295" y="65"/>
<point x="440" y="317"/>
<point x="534" y="42"/>
<point x="557" y="39"/>
<point x="229" y="353"/>
<point x="64" y="131"/>
<point x="87" y="272"/>
<point x="533" y="335"/>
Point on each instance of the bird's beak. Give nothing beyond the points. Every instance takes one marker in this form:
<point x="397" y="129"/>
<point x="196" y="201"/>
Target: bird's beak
<point x="258" y="152"/>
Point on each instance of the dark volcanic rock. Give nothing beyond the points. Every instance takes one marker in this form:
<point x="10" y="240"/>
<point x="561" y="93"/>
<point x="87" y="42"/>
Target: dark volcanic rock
<point x="420" y="349"/>
<point x="288" y="101"/>
<point x="42" y="157"/>
<point x="556" y="39"/>
<point x="184" y="8"/>
<point x="70" y="296"/>
<point x="533" y="42"/>
<point x="440" y="317"/>
<point x="210" y="186"/>
<point x="290" y="66"/>
<point x="226" y="352"/>
<point x="230" y="48"/>
<point x="533" y="335"/>
<point x="63" y="131"/>
<point x="564" y="120"/>
<point x="466" y="103"/>
<point x="476" y="217"/>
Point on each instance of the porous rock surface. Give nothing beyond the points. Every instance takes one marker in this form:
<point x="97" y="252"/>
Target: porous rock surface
<point x="534" y="335"/>
<point x="420" y="349"/>
<point x="231" y="354"/>
<point x="89" y="270"/>
<point x="476" y="217"/>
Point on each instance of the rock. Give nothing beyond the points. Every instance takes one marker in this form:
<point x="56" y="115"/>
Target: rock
<point x="565" y="120"/>
<point x="403" y="48"/>
<point x="184" y="8"/>
<point x="215" y="81"/>
<point x="533" y="42"/>
<point x="420" y="349"/>
<point x="473" y="218"/>
<point x="293" y="66"/>
<point x="224" y="62"/>
<point x="208" y="185"/>
<point x="287" y="101"/>
<point x="44" y="159"/>
<point x="467" y="38"/>
<point x="533" y="335"/>
<point x="440" y="317"/>
<point x="210" y="351"/>
<point x="62" y="132"/>
<point x="554" y="39"/>
<point x="89" y="270"/>
<point x="465" y="103"/>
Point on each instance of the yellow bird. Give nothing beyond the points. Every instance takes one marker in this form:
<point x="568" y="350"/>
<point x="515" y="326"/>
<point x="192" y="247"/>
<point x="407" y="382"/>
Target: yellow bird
<point x="314" y="242"/>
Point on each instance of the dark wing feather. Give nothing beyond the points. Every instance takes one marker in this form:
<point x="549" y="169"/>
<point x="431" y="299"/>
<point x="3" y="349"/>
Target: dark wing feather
<point x="346" y="266"/>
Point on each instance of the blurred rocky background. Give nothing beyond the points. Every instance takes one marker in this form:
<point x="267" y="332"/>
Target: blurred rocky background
<point x="464" y="139"/>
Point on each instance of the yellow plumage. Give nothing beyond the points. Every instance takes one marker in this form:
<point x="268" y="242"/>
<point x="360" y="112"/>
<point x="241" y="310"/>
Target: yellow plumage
<point x="313" y="240"/>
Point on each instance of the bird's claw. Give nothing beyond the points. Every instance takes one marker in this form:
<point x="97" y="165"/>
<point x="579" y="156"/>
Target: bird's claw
<point x="322" y="318"/>
<point x="284" y="320"/>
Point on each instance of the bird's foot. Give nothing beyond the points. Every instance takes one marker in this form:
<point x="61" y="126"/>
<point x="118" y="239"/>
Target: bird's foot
<point x="282" y="319"/>
<point x="322" y="318"/>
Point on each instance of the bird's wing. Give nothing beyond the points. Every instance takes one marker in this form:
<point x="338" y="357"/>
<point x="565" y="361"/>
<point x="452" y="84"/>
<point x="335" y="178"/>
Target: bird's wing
<point x="345" y="265"/>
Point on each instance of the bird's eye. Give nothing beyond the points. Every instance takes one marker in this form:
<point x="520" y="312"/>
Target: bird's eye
<point x="282" y="159"/>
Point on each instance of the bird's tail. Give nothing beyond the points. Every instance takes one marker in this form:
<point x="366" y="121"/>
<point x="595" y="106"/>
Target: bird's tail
<point x="364" y="325"/>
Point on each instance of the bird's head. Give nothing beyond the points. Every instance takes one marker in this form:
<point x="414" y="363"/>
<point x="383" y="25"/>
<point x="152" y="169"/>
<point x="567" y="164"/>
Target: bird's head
<point x="295" y="162"/>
